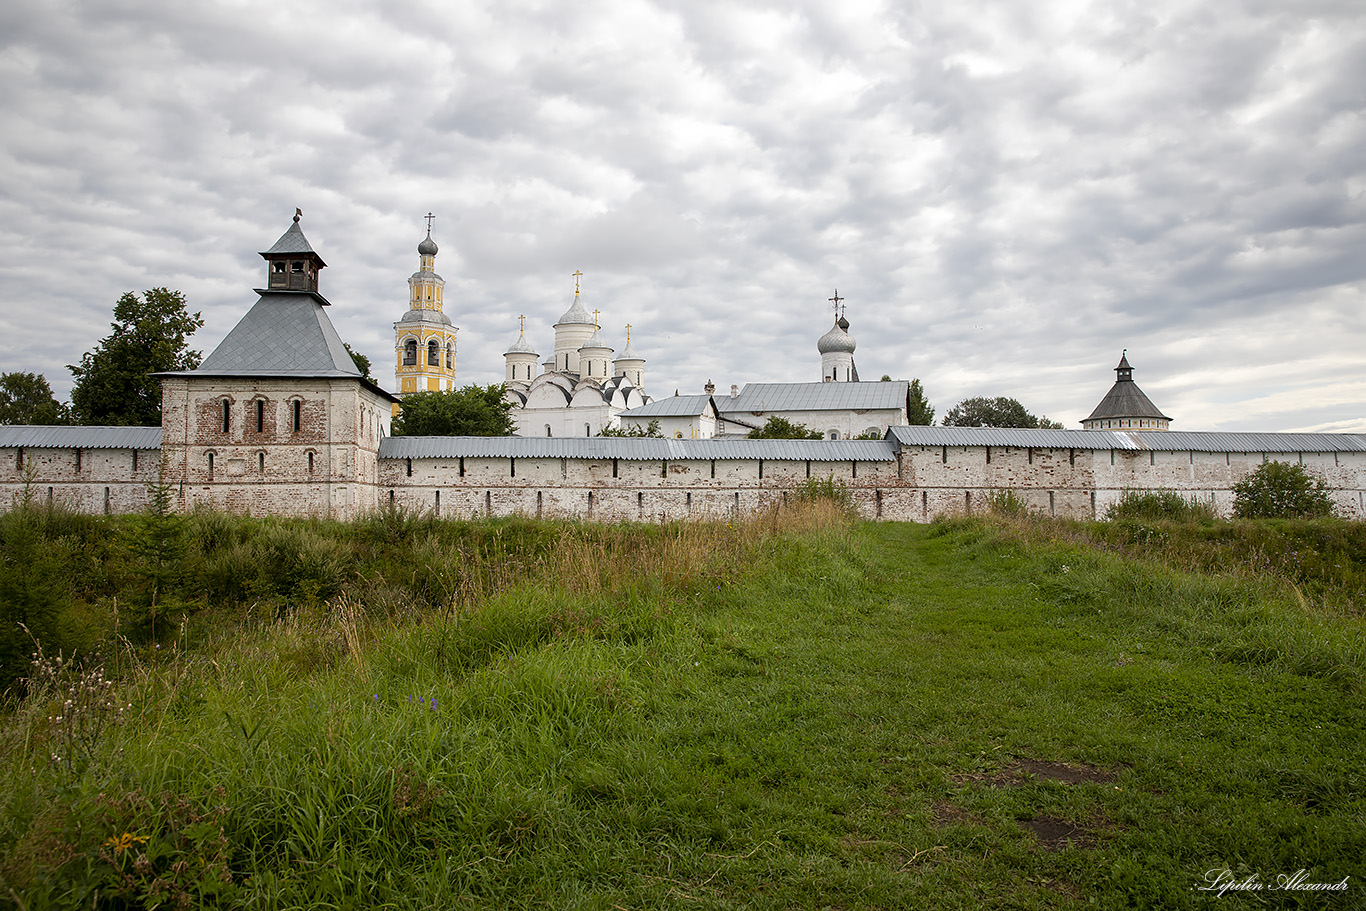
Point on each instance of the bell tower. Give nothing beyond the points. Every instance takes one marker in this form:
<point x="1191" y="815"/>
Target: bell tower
<point x="291" y="265"/>
<point x="424" y="339"/>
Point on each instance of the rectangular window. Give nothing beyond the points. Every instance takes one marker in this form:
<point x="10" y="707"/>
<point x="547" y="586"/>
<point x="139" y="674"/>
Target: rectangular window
<point x="310" y="466"/>
<point x="260" y="416"/>
<point x="227" y="416"/>
<point x="410" y="467"/>
<point x="614" y="468"/>
<point x="298" y="415"/>
<point x="512" y="468"/>
<point x="78" y="460"/>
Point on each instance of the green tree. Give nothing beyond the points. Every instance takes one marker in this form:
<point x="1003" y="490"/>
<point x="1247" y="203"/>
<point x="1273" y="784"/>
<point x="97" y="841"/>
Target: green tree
<point x="635" y="430"/>
<point x="114" y="382"/>
<point x="26" y="398"/>
<point x="471" y="411"/>
<point x="1281" y="490"/>
<point x="779" y="428"/>
<point x="918" y="408"/>
<point x="998" y="412"/>
<point x="159" y="543"/>
<point x="361" y="361"/>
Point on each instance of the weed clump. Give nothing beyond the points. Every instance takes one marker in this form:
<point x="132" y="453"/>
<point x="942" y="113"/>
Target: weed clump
<point x="1160" y="505"/>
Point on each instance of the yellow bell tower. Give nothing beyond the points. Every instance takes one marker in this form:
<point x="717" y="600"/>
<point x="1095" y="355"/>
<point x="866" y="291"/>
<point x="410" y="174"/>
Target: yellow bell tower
<point x="424" y="339"/>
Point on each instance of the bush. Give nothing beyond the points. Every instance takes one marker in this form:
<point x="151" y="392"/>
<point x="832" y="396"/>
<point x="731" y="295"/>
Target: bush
<point x="1152" y="505"/>
<point x="1280" y="490"/>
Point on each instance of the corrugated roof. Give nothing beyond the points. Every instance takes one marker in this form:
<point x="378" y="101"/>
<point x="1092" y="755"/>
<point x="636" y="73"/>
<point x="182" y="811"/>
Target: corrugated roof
<point x="1160" y="440"/>
<point x="670" y="406"/>
<point x="639" y="449"/>
<point x="287" y="333"/>
<point x="918" y="435"/>
<point x="80" y="437"/>
<point x="816" y="397"/>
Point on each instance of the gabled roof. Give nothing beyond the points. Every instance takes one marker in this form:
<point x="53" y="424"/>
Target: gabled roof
<point x="287" y="333"/>
<point x="672" y="406"/>
<point x="766" y="397"/>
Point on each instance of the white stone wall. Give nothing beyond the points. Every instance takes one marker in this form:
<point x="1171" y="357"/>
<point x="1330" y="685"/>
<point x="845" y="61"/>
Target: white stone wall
<point x="86" y="480"/>
<point x="925" y="481"/>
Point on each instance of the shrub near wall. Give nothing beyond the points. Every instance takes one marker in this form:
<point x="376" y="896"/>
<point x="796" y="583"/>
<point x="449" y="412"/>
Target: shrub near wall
<point x="1281" y="490"/>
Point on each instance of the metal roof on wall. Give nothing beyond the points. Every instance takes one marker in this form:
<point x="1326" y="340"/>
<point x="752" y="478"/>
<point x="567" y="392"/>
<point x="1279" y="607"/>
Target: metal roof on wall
<point x="671" y="406"/>
<point x="45" y="437"/>
<point x="1157" y="440"/>
<point x="816" y="397"/>
<point x="634" y="448"/>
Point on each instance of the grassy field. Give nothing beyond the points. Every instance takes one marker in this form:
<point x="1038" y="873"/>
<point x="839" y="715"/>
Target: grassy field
<point x="785" y="711"/>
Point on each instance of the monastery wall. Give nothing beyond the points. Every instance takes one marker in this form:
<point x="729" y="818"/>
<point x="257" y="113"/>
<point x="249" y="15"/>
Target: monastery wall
<point x="917" y="484"/>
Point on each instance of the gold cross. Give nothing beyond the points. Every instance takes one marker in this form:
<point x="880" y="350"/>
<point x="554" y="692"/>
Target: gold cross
<point x="577" y="273"/>
<point x="595" y="319"/>
<point x="837" y="300"/>
<point x="521" y="324"/>
<point x="628" y="333"/>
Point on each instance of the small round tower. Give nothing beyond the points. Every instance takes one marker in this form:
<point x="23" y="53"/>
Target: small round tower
<point x="629" y="364"/>
<point x="836" y="348"/>
<point x="572" y="330"/>
<point x="520" y="358"/>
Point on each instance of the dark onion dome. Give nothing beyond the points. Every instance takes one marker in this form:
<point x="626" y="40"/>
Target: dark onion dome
<point x="427" y="247"/>
<point x="836" y="340"/>
<point x="1125" y="400"/>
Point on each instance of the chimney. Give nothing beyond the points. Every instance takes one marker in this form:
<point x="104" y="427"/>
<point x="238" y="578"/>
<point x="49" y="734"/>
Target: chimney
<point x="709" y="388"/>
<point x="734" y="391"/>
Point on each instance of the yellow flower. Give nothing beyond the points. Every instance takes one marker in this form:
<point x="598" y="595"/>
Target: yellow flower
<point x="121" y="843"/>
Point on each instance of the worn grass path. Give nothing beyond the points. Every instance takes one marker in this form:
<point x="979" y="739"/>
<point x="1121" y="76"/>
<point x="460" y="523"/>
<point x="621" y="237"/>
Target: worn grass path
<point x="939" y="718"/>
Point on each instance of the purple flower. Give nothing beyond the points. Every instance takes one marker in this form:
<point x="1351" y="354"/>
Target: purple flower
<point x="433" y="703"/>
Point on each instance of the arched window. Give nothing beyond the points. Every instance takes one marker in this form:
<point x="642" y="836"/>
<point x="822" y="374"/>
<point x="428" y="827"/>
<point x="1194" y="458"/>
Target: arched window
<point x="409" y="352"/>
<point x="834" y="435"/>
<point x="547" y="430"/>
<point x="227" y="416"/>
<point x="433" y="354"/>
<point x="450" y="355"/>
<point x="588" y="430"/>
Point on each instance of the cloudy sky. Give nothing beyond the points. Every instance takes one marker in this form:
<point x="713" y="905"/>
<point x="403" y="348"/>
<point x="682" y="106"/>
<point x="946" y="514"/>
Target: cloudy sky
<point x="1007" y="195"/>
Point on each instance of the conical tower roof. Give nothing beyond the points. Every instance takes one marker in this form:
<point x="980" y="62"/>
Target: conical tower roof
<point x="1125" y="399"/>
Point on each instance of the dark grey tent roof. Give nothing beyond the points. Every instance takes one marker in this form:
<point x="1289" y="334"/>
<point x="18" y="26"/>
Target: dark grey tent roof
<point x="1125" y="399"/>
<point x="293" y="241"/>
<point x="287" y="333"/>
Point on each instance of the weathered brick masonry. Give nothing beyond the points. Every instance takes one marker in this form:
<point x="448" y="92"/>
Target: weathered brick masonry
<point x="914" y="474"/>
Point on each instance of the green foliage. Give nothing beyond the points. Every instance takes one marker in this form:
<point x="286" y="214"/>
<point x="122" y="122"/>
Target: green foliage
<point x="474" y="411"/>
<point x="1158" y="505"/>
<point x="361" y="361"/>
<point x="918" y="410"/>
<point x="980" y="411"/>
<point x="34" y="594"/>
<point x="158" y="545"/>
<point x="1281" y="490"/>
<point x="829" y="490"/>
<point x="635" y="430"/>
<point x="870" y="434"/>
<point x="876" y="715"/>
<point x="1006" y="502"/>
<point x="114" y="382"/>
<point x="780" y="428"/>
<point x="26" y="398"/>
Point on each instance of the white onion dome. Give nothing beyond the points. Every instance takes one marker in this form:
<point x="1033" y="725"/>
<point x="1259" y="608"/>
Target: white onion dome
<point x="629" y="352"/>
<point x="521" y="346"/>
<point x="576" y="314"/>
<point x="836" y="340"/>
<point x="595" y="341"/>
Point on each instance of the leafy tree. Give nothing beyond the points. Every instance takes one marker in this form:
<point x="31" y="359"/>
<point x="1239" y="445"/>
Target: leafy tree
<point x="919" y="410"/>
<point x="998" y="412"/>
<point x="779" y="428"/>
<point x="471" y="411"/>
<point x="114" y="382"/>
<point x="1281" y="490"/>
<point x="886" y="378"/>
<point x="635" y="430"/>
<point x="361" y="361"/>
<point x="26" y="398"/>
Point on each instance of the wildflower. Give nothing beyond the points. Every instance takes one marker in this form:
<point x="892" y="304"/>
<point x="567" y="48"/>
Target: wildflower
<point x="121" y="843"/>
<point x="433" y="703"/>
